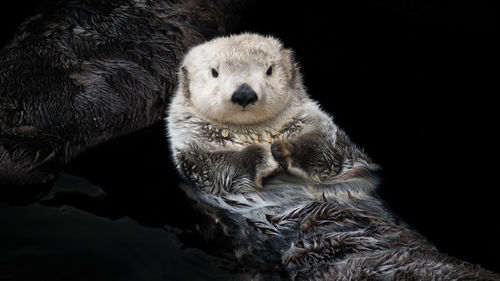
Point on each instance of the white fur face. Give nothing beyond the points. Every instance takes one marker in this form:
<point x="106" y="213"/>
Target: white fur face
<point x="213" y="71"/>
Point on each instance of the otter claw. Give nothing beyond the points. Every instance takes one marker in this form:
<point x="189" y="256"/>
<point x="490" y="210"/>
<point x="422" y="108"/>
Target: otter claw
<point x="280" y="154"/>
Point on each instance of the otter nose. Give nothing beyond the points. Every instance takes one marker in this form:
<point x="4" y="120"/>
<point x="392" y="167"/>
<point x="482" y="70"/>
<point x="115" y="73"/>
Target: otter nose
<point x="244" y="95"/>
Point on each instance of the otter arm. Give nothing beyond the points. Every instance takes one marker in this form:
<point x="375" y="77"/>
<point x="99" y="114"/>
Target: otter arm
<point x="321" y="154"/>
<point x="222" y="171"/>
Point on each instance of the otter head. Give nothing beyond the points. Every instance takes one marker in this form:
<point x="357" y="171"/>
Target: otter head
<point x="241" y="79"/>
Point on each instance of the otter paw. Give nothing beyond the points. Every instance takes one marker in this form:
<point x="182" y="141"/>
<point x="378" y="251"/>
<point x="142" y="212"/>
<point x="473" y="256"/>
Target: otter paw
<point x="281" y="154"/>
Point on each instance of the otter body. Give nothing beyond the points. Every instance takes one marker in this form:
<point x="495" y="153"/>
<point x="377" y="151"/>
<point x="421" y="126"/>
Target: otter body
<point x="292" y="196"/>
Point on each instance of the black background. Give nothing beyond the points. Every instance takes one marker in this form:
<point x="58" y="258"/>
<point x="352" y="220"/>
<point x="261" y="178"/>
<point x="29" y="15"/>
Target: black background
<point x="412" y="82"/>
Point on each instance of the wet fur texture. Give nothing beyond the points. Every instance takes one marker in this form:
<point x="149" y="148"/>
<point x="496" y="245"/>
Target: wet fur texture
<point x="86" y="71"/>
<point x="289" y="197"/>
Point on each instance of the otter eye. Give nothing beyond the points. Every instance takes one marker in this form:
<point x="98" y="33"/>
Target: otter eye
<point x="215" y="74"/>
<point x="269" y="70"/>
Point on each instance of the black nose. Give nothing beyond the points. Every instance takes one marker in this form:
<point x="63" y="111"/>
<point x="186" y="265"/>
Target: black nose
<point x="244" y="95"/>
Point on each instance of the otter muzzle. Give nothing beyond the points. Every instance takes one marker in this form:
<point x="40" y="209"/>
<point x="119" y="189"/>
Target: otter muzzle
<point x="244" y="95"/>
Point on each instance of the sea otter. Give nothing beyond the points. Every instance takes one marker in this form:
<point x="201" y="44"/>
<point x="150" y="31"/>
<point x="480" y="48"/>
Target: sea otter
<point x="283" y="184"/>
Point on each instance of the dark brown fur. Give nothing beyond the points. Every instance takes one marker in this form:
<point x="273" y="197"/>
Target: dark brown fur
<point x="87" y="71"/>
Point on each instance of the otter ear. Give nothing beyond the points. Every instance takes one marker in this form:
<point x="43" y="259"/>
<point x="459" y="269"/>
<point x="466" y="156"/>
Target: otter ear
<point x="184" y="81"/>
<point x="184" y="70"/>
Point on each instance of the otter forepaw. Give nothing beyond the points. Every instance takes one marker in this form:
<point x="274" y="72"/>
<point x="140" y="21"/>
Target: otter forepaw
<point x="281" y="154"/>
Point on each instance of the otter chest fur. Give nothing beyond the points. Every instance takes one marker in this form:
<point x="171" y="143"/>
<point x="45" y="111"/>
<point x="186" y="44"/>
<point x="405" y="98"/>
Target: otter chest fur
<point x="240" y="136"/>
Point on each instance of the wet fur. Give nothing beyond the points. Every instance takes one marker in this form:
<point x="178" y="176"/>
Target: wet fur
<point x="85" y="71"/>
<point x="313" y="214"/>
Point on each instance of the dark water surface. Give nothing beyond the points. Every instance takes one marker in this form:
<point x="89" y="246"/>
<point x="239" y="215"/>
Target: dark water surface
<point x="71" y="234"/>
<point x="41" y="242"/>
